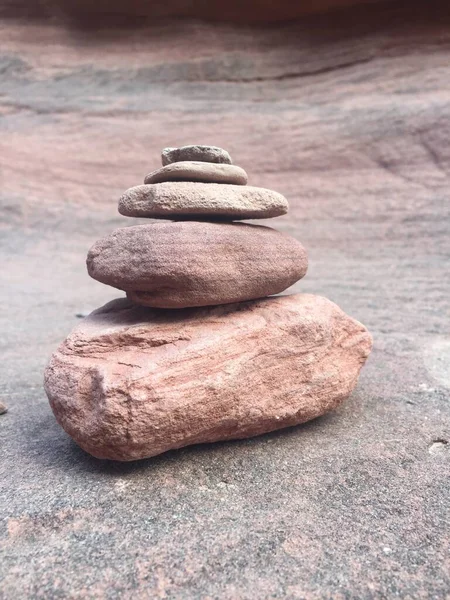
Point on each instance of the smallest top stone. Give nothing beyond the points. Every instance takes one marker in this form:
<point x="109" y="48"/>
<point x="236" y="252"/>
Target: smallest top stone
<point x="211" y="154"/>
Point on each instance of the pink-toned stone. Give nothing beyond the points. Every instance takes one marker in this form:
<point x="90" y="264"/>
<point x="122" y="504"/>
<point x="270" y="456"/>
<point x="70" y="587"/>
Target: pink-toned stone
<point x="189" y="263"/>
<point x="131" y="382"/>
<point x="194" y="200"/>
<point x="198" y="171"/>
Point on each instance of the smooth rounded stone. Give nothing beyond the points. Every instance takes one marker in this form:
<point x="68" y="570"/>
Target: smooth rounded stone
<point x="211" y="154"/>
<point x="175" y="265"/>
<point x="199" y="171"/>
<point x="131" y="382"/>
<point x="189" y="200"/>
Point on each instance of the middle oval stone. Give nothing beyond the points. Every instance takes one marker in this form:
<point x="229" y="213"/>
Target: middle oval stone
<point x="182" y="264"/>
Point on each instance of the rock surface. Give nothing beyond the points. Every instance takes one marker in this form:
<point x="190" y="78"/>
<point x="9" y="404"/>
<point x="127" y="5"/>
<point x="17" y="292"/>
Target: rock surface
<point x="211" y="154"/>
<point x="199" y="171"/>
<point x="102" y="12"/>
<point x="185" y="199"/>
<point x="175" y="265"/>
<point x="131" y="382"/>
<point x="359" y="130"/>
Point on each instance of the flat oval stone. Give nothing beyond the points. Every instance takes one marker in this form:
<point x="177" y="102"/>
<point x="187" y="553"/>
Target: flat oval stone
<point x="211" y="154"/>
<point x="189" y="200"/>
<point x="199" y="171"/>
<point x="175" y="265"/>
<point x="131" y="382"/>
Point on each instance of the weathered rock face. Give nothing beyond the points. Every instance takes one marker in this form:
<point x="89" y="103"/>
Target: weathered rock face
<point x="238" y="11"/>
<point x="198" y="171"/>
<point x="175" y="265"/>
<point x="211" y="154"/>
<point x="185" y="199"/>
<point x="131" y="382"/>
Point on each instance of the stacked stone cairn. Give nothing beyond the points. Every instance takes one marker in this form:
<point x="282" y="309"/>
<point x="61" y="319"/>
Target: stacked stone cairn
<point x="200" y="350"/>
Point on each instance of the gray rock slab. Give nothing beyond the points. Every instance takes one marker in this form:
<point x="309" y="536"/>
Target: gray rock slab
<point x="195" y="200"/>
<point x="211" y="154"/>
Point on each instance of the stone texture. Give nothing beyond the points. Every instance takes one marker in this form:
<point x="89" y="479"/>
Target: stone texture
<point x="174" y="265"/>
<point x="211" y="154"/>
<point x="356" y="110"/>
<point x="185" y="199"/>
<point x="199" y="171"/>
<point x="103" y="12"/>
<point x="131" y="382"/>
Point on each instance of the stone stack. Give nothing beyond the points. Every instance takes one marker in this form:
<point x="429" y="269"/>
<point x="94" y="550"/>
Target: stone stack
<point x="198" y="352"/>
<point x="204" y="258"/>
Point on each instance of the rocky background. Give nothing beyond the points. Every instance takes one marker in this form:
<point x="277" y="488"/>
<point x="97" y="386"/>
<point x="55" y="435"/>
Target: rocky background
<point x="347" y="113"/>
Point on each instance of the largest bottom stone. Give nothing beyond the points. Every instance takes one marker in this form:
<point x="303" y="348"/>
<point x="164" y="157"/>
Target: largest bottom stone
<point x="131" y="382"/>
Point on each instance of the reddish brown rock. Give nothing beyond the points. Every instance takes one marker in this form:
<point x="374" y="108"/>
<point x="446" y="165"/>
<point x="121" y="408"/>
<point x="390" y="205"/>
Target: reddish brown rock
<point x="175" y="265"/>
<point x="189" y="200"/>
<point x="131" y="382"/>
<point x="199" y="171"/>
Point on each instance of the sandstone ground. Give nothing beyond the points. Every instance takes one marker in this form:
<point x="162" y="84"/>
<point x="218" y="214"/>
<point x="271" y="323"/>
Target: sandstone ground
<point x="348" y="116"/>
